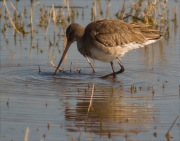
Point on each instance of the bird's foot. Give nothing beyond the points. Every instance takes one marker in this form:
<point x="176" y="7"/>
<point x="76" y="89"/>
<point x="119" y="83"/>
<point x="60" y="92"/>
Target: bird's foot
<point x="108" y="75"/>
<point x="114" y="74"/>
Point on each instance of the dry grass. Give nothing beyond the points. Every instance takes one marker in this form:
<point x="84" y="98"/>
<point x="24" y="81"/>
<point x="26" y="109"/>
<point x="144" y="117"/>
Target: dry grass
<point x="154" y="13"/>
<point x="26" y="134"/>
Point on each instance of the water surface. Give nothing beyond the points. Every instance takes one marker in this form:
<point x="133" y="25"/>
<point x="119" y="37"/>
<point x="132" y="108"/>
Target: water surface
<point x="56" y="108"/>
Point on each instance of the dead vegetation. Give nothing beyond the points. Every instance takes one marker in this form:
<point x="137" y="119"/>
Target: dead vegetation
<point x="155" y="13"/>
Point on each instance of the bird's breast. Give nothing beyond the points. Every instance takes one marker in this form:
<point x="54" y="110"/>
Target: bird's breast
<point x="102" y="55"/>
<point x="97" y="51"/>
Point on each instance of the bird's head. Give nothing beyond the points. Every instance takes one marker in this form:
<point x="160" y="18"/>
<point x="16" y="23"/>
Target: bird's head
<point x="73" y="32"/>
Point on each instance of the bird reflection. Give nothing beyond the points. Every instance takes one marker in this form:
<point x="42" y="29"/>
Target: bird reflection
<point x="111" y="112"/>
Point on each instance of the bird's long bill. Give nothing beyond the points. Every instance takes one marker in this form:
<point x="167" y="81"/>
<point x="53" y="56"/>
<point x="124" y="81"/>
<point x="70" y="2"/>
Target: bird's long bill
<point x="64" y="54"/>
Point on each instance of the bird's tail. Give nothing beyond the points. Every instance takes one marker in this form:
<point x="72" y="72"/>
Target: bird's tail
<point x="148" y="32"/>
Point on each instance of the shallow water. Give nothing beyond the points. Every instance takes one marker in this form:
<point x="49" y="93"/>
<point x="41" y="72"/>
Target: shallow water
<point x="56" y="108"/>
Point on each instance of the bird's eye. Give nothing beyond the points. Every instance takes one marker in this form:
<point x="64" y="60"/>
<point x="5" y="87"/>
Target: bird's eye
<point x="68" y="35"/>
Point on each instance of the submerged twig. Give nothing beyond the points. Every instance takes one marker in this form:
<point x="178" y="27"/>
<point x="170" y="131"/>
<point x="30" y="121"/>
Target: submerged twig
<point x="70" y="66"/>
<point x="55" y="66"/>
<point x="39" y="68"/>
<point x="79" y="136"/>
<point x="90" y="103"/>
<point x="26" y="134"/>
<point x="168" y="132"/>
<point x="75" y="66"/>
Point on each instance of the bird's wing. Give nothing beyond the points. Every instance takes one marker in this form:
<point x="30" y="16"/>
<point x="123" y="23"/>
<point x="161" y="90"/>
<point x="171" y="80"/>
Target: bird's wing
<point x="112" y="33"/>
<point x="147" y="31"/>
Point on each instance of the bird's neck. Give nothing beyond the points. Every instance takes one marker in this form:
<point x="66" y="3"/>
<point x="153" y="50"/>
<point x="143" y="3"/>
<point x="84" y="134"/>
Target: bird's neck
<point x="79" y="39"/>
<point x="80" y="45"/>
<point x="79" y="32"/>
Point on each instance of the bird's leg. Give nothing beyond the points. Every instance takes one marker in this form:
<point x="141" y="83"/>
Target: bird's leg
<point x="122" y="67"/>
<point x="114" y="73"/>
<point x="90" y="63"/>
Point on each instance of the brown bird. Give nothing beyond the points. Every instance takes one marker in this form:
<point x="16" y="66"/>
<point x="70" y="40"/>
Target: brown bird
<point x="107" y="40"/>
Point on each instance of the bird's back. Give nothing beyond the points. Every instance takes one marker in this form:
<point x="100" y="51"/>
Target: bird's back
<point x="105" y="40"/>
<point x="116" y="32"/>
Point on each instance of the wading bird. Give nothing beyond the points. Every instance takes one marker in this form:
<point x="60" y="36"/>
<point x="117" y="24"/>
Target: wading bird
<point x="107" y="40"/>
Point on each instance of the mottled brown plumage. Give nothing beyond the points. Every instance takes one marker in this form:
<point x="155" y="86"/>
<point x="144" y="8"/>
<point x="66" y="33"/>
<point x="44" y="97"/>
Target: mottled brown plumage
<point x="106" y="40"/>
<point x="114" y="32"/>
